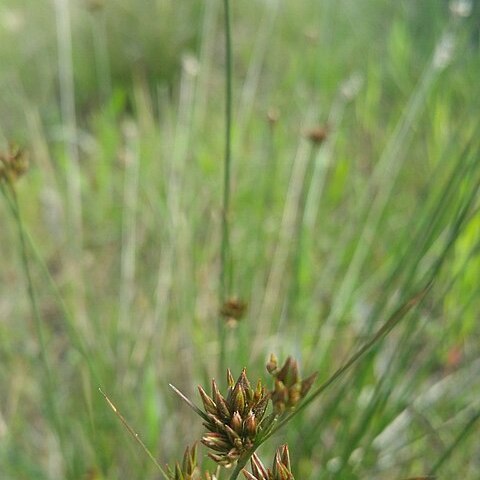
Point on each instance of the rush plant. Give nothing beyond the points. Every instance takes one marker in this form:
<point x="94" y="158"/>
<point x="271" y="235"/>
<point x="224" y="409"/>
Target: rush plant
<point x="238" y="421"/>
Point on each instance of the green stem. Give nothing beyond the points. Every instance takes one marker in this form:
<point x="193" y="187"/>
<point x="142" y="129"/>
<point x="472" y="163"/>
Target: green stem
<point x="225" y="271"/>
<point x="134" y="434"/>
<point x="76" y="338"/>
<point x="394" y="319"/>
<point x="242" y="461"/>
<point x="461" y="436"/>
<point x="50" y="401"/>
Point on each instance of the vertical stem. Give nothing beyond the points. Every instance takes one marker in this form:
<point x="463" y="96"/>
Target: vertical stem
<point x="225" y="267"/>
<point x="50" y="400"/>
<point x="242" y="461"/>
<point x="67" y="103"/>
<point x="100" y="50"/>
<point x="461" y="436"/>
<point x="73" y="171"/>
<point x="298" y="240"/>
<point x="129" y="238"/>
<point x="134" y="434"/>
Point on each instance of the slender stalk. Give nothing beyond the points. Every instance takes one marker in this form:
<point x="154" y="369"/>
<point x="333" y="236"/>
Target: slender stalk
<point x="225" y="265"/>
<point x="189" y="403"/>
<point x="134" y="434"/>
<point x="395" y="318"/>
<point x="129" y="238"/>
<point x="461" y="436"/>
<point x="73" y="171"/>
<point x="299" y="240"/>
<point x="242" y="461"/>
<point x="101" y="56"/>
<point x="373" y="204"/>
<point x="67" y="103"/>
<point x="50" y="401"/>
<point x="75" y="336"/>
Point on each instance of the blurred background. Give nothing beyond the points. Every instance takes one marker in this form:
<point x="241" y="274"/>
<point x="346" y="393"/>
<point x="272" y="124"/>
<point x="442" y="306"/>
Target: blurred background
<point x="355" y="175"/>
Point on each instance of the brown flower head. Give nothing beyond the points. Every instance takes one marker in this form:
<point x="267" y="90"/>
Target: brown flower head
<point x="235" y="420"/>
<point x="317" y="135"/>
<point x="280" y="469"/>
<point x="233" y="309"/>
<point x="288" y="389"/>
<point x="13" y="164"/>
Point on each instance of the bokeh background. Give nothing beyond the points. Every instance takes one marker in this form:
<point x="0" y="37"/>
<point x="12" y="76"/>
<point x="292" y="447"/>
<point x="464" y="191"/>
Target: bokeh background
<point x="355" y="174"/>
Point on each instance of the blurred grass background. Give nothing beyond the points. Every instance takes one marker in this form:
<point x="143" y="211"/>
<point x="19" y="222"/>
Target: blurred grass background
<point x="120" y="107"/>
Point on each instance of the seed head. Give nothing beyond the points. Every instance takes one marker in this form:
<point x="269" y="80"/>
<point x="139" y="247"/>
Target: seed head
<point x="234" y="420"/>
<point x="317" y="135"/>
<point x="289" y="389"/>
<point x="13" y="164"/>
<point x="233" y="310"/>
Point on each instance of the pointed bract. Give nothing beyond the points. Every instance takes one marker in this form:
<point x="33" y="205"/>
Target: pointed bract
<point x="248" y="475"/>
<point x="208" y="404"/>
<point x="189" y="469"/>
<point x="230" y="379"/>
<point x="257" y="467"/>
<point x="307" y="383"/>
<point x="272" y="365"/>
<point x="280" y="468"/>
<point x="237" y="423"/>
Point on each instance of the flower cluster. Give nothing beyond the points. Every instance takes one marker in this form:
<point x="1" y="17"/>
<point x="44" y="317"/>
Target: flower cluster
<point x="235" y="420"/>
<point x="280" y="469"/>
<point x="288" y="389"/>
<point x="233" y="310"/>
<point x="13" y="164"/>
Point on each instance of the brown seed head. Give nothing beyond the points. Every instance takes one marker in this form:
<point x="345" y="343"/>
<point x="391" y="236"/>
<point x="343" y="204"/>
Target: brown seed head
<point x="251" y="425"/>
<point x="237" y="423"/>
<point x="288" y="389"/>
<point x="13" y="164"/>
<point x="233" y="421"/>
<point x="233" y="309"/>
<point x="317" y="135"/>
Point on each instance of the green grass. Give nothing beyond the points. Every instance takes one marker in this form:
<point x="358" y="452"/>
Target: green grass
<point x="122" y="224"/>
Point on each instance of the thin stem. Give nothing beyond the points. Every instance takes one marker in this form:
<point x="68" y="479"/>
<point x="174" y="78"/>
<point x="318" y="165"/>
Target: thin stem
<point x="461" y="436"/>
<point x="381" y="333"/>
<point x="50" y="401"/>
<point x="189" y="403"/>
<point x="67" y="102"/>
<point x="75" y="336"/>
<point x="101" y="54"/>
<point x="242" y="461"/>
<point x="133" y="433"/>
<point x="225" y="270"/>
<point x="73" y="170"/>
